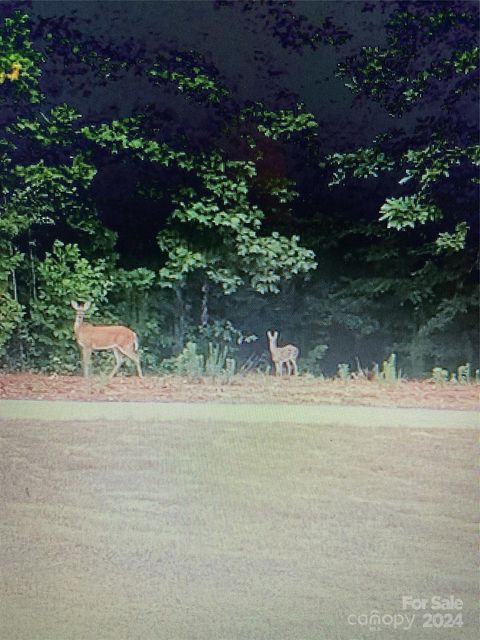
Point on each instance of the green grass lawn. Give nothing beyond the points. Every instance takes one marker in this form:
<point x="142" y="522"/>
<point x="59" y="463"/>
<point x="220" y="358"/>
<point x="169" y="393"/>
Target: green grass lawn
<point x="182" y="522"/>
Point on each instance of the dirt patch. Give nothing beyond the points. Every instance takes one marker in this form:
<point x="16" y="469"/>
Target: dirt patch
<point x="252" y="388"/>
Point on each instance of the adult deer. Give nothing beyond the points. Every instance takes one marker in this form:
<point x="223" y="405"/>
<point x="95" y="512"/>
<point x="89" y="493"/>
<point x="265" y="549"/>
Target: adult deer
<point x="121" y="340"/>
<point x="282" y="355"/>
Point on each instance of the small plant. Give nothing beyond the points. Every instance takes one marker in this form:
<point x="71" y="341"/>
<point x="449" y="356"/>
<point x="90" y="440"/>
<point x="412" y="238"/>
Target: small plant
<point x="464" y="373"/>
<point x="343" y="371"/>
<point x="389" y="371"/>
<point x="311" y="362"/>
<point x="189" y="362"/>
<point x="230" y="367"/>
<point x="439" y="375"/>
<point x="216" y="363"/>
<point x="256" y="362"/>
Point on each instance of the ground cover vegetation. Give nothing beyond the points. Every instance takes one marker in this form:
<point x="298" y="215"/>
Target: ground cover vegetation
<point x="202" y="212"/>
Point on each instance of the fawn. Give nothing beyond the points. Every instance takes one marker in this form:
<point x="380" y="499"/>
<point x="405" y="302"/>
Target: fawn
<point x="282" y="355"/>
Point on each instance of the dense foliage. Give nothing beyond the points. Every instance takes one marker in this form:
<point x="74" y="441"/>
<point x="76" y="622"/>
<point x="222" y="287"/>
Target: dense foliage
<point x="143" y="178"/>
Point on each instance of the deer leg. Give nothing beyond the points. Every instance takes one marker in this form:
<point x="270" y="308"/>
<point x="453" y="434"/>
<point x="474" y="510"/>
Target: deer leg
<point x="295" y="368"/>
<point x="135" y="358"/>
<point x="278" y="368"/>
<point x="289" y="367"/>
<point x="86" y="354"/>
<point x="118" y="361"/>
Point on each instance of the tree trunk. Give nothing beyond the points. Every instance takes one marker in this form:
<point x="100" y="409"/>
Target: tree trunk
<point x="180" y="322"/>
<point x="204" y="313"/>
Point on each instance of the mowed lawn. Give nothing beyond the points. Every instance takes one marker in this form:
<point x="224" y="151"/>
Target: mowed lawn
<point x="185" y="522"/>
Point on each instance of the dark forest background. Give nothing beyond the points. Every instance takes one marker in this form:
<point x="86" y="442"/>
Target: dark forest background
<point x="205" y="171"/>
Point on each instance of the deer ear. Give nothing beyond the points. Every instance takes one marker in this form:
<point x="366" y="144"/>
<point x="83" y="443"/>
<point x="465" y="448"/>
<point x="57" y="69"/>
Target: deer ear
<point x="87" y="305"/>
<point x="74" y="305"/>
<point x="269" y="334"/>
<point x="275" y="334"/>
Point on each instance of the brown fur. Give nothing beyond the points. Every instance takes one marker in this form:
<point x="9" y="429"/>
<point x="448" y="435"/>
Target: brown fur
<point x="282" y="355"/>
<point x="121" y="340"/>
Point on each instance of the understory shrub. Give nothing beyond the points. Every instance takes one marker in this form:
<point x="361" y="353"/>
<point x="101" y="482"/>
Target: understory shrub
<point x="216" y="363"/>
<point x="64" y="275"/>
<point x="11" y="313"/>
